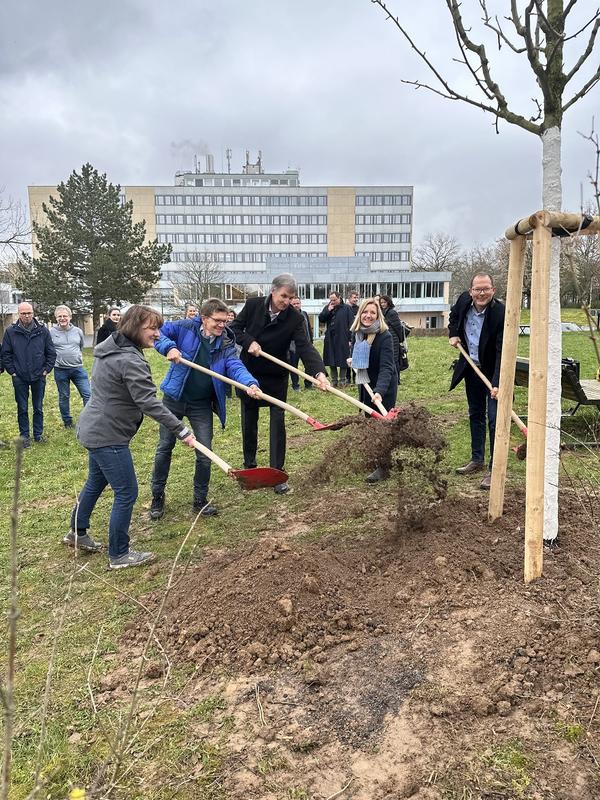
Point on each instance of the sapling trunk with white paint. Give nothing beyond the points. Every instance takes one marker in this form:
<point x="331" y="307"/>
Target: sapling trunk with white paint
<point x="552" y="201"/>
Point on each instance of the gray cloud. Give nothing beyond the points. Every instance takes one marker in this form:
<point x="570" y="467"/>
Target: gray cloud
<point x="138" y="88"/>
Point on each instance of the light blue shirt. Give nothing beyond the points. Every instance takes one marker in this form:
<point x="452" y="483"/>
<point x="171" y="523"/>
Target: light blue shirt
<point x="473" y="325"/>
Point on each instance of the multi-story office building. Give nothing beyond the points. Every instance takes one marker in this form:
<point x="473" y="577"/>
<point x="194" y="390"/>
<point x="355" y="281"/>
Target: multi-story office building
<point x="252" y="225"/>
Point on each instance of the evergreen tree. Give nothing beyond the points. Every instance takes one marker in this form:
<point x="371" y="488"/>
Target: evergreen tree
<point x="90" y="255"/>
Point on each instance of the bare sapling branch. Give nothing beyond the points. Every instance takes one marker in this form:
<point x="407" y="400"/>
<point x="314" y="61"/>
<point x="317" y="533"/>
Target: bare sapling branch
<point x="8" y="696"/>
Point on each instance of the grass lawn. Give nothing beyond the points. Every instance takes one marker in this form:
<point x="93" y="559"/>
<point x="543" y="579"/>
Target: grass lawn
<point x="89" y="609"/>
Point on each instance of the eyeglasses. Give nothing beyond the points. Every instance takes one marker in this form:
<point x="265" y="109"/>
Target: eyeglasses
<point x="26" y="313"/>
<point x="483" y="291"/>
<point x="220" y="322"/>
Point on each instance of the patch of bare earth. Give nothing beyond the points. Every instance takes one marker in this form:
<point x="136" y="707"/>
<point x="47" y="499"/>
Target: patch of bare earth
<point x="410" y="661"/>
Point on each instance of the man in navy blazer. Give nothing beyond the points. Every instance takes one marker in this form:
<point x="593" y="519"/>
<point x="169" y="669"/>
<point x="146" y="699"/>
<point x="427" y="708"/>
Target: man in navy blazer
<point x="477" y="322"/>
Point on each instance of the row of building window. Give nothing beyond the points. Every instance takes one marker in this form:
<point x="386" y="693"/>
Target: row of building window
<point x="240" y="257"/>
<point x="383" y="199"/>
<point x="240" y="200"/>
<point x="243" y="238"/>
<point x="424" y="290"/>
<point x="381" y="238"/>
<point x="389" y="256"/>
<point x="383" y="219"/>
<point x="241" y="219"/>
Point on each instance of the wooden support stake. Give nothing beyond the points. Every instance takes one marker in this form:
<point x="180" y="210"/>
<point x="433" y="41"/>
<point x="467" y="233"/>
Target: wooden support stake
<point x="514" y="289"/>
<point x="536" y="409"/>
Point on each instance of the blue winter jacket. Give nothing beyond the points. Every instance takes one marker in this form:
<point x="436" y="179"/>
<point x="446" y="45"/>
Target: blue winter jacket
<point x="184" y="334"/>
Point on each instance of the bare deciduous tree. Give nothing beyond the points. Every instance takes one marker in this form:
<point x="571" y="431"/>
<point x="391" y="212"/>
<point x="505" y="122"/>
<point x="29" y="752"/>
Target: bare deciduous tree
<point x="198" y="280"/>
<point x="15" y="231"/>
<point x="438" y="252"/>
<point x="536" y="31"/>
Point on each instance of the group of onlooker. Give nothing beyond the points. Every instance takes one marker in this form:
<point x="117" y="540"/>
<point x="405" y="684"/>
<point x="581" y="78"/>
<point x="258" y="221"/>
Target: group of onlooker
<point x="29" y="353"/>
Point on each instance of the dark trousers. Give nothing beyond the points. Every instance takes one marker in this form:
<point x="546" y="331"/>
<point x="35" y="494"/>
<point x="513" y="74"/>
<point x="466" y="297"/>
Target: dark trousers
<point x="277" y="437"/>
<point x="38" y="389"/>
<point x="114" y="466"/>
<point x="294" y="360"/>
<point x="63" y="377"/>
<point x="200" y="416"/>
<point x="480" y="402"/>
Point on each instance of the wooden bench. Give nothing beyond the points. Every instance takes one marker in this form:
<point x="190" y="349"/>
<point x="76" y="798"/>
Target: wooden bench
<point x="581" y="392"/>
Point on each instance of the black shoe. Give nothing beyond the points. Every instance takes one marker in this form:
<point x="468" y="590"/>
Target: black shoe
<point x="470" y="468"/>
<point x="26" y="442"/>
<point x="249" y="466"/>
<point x="205" y="508"/>
<point x="296" y="388"/>
<point x="379" y="474"/>
<point x="68" y="424"/>
<point x="282" y="488"/>
<point x="157" y="508"/>
<point x="40" y="439"/>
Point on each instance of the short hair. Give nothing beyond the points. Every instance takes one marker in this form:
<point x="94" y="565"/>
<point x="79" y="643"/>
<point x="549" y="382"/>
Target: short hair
<point x="387" y="299"/>
<point x="132" y="321"/>
<point x="337" y="294"/>
<point x="66" y="308"/>
<point x="353" y="291"/>
<point x="111" y="309"/>
<point x="190" y="304"/>
<point x="382" y="323"/>
<point x="284" y="281"/>
<point x="481" y="275"/>
<point x="211" y="305"/>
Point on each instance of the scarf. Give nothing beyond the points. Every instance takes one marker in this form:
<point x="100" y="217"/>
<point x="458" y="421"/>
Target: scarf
<point x="362" y="350"/>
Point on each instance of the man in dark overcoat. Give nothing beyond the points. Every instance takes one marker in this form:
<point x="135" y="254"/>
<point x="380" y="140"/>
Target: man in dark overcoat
<point x="338" y="318"/>
<point x="477" y="322"/>
<point x="271" y="324"/>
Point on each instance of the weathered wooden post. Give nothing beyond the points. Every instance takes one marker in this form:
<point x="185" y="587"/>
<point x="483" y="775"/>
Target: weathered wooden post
<point x="516" y="265"/>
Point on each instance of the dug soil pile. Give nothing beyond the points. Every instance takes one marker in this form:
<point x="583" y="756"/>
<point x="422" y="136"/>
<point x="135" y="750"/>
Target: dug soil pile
<point x="405" y="660"/>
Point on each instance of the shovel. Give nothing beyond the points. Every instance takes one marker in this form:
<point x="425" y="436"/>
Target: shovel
<point x="521" y="450"/>
<point x="392" y="414"/>
<point x="256" y="478"/>
<point x="315" y="424"/>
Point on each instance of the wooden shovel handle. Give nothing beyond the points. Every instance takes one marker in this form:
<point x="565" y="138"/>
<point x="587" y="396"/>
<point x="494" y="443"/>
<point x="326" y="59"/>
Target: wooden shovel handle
<point x="379" y="405"/>
<point x="213" y="457"/>
<point x="515" y="417"/>
<point x="310" y="378"/>
<point x="274" y="400"/>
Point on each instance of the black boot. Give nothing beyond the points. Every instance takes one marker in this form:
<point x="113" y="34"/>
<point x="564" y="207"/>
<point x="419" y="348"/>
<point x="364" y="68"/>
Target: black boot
<point x="157" y="509"/>
<point x="378" y="474"/>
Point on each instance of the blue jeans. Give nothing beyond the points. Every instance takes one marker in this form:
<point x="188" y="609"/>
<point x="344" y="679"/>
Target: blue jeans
<point x="200" y="416"/>
<point x="38" y="389"/>
<point x="109" y="466"/>
<point x="63" y="377"/>
<point x="480" y="401"/>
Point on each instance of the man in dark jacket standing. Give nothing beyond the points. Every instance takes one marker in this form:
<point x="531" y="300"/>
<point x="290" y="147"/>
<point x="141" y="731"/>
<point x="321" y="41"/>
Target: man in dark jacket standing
<point x="477" y="322"/>
<point x="336" y="350"/>
<point x="28" y="356"/>
<point x="271" y="324"/>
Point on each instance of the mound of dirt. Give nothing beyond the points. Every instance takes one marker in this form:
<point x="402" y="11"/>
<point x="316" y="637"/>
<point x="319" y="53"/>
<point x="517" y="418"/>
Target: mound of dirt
<point x="412" y="659"/>
<point x="372" y="442"/>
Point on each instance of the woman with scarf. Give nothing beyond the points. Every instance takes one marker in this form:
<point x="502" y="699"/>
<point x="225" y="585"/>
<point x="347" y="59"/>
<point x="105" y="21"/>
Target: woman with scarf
<point x="372" y="359"/>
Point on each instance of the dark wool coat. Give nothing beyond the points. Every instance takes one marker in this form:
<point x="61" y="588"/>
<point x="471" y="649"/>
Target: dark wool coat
<point x="28" y="354"/>
<point x="106" y="330"/>
<point x="396" y="329"/>
<point x="336" y="349"/>
<point x="383" y="374"/>
<point x="253" y="324"/>
<point x="490" y="342"/>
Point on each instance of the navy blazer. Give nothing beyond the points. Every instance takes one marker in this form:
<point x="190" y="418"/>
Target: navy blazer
<point x="490" y="342"/>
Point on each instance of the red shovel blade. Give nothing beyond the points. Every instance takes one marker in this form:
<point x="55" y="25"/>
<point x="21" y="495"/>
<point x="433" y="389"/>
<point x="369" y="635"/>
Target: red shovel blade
<point x="259" y="477"/>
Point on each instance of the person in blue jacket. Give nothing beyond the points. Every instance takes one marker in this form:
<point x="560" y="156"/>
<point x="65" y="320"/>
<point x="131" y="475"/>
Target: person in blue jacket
<point x="193" y="394"/>
<point x="28" y="356"/>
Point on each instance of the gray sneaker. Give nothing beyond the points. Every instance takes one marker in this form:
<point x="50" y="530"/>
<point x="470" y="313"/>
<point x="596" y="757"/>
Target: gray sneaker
<point x="131" y="559"/>
<point x="84" y="542"/>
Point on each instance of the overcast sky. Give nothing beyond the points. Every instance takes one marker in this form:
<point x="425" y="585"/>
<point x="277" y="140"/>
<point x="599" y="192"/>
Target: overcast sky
<point x="137" y="87"/>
